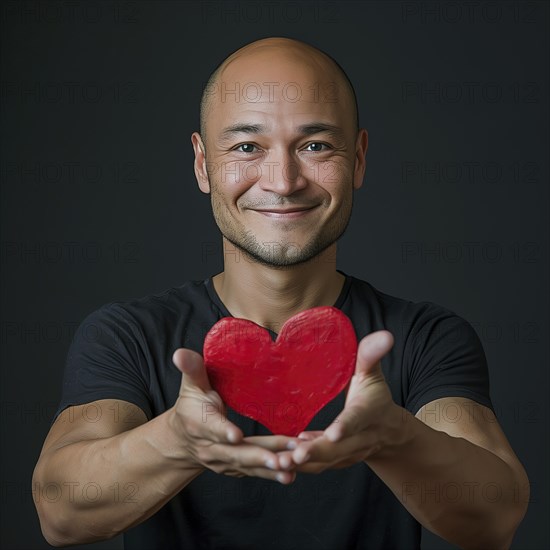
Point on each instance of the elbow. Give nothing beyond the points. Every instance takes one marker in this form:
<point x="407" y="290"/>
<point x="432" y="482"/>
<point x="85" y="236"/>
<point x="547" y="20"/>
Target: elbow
<point x="51" y="517"/>
<point x="60" y="530"/>
<point x="499" y="536"/>
<point x="493" y="528"/>
<point x="499" y="531"/>
<point x="517" y="508"/>
<point x="52" y="526"/>
<point x="53" y="537"/>
<point x="58" y="536"/>
<point x="58" y="522"/>
<point x="48" y="513"/>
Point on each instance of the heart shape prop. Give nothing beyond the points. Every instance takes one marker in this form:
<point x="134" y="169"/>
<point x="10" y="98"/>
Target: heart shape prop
<point x="282" y="384"/>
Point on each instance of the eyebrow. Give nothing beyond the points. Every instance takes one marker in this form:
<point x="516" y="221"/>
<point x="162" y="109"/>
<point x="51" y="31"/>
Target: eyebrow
<point x="305" y="130"/>
<point x="230" y="131"/>
<point x="321" y="128"/>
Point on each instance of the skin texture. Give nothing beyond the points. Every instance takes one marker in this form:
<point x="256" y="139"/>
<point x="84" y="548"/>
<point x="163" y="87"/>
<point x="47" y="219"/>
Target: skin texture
<point x="282" y="191"/>
<point x="246" y="176"/>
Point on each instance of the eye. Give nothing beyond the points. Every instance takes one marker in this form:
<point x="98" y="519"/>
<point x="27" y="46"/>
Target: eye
<point x="316" y="147"/>
<point x="245" y="148"/>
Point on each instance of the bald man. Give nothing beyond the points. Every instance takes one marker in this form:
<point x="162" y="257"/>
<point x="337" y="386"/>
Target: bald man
<point x="414" y="440"/>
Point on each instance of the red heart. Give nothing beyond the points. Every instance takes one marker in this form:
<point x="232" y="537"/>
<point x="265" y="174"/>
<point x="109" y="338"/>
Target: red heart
<point x="282" y="384"/>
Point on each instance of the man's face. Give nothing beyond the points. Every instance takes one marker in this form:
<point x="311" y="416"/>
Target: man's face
<point x="281" y="158"/>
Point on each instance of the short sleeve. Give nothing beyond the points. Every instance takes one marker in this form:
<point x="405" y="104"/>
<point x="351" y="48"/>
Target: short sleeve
<point x="105" y="361"/>
<point x="446" y="360"/>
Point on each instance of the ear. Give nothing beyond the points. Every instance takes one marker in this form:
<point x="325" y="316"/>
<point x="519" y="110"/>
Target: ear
<point x="361" y="147"/>
<point x="200" y="163"/>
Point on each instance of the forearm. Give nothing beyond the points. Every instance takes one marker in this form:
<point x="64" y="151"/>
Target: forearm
<point x="95" y="489"/>
<point x="460" y="491"/>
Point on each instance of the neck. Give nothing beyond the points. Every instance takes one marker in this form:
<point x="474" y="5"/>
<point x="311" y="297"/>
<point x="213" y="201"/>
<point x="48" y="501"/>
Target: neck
<point x="269" y="296"/>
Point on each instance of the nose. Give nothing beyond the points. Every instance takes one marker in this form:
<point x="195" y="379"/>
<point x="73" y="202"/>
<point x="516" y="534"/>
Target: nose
<point x="283" y="174"/>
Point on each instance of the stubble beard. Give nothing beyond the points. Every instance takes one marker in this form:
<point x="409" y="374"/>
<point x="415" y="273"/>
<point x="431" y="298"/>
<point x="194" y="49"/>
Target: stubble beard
<point x="280" y="254"/>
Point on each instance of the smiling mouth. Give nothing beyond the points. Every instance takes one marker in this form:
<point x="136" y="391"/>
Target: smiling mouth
<point x="286" y="213"/>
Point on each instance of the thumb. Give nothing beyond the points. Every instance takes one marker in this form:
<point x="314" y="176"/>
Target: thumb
<point x="371" y="349"/>
<point x="191" y="364"/>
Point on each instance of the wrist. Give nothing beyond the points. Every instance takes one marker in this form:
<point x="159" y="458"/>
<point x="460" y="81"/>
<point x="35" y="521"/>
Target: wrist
<point x="395" y="433"/>
<point x="167" y="438"/>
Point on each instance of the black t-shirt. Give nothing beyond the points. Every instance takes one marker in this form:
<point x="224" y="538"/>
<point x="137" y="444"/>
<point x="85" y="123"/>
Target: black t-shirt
<point x="124" y="351"/>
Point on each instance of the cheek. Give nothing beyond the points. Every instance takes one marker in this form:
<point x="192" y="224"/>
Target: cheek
<point x="337" y="182"/>
<point x="237" y="174"/>
<point x="248" y="173"/>
<point x="233" y="180"/>
<point x="330" y="174"/>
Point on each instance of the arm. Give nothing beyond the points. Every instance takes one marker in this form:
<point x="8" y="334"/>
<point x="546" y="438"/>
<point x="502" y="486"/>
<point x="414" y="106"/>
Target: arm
<point x="95" y="480"/>
<point x="459" y="479"/>
<point x="106" y="476"/>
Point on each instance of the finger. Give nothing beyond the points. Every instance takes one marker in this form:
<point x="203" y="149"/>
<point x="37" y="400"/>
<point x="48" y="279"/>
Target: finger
<point x="285" y="460"/>
<point x="191" y="364"/>
<point x="310" y="436"/>
<point x="273" y="443"/>
<point x="302" y="452"/>
<point x="264" y="473"/>
<point x="213" y="426"/>
<point x="210" y="422"/>
<point x="248" y="460"/>
<point x="321" y="450"/>
<point x="349" y="450"/>
<point x="318" y="467"/>
<point x="285" y="478"/>
<point x="371" y="349"/>
<point x="335" y="432"/>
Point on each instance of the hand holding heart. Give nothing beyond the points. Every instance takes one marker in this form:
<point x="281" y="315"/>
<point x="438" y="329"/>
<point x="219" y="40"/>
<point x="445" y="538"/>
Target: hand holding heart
<point x="204" y="438"/>
<point x="361" y="428"/>
<point x="315" y="367"/>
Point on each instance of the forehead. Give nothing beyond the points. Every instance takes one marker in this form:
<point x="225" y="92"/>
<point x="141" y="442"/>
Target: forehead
<point x="277" y="88"/>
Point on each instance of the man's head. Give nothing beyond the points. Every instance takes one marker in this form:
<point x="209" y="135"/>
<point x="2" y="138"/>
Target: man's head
<point x="212" y="86"/>
<point x="280" y="152"/>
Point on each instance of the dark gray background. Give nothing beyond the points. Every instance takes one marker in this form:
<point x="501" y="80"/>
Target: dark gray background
<point x="100" y="203"/>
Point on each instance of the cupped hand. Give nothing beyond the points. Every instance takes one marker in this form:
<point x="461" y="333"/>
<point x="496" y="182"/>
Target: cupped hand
<point x="364" y="426"/>
<point x="207" y="439"/>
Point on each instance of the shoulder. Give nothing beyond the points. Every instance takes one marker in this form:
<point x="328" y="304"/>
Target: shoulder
<point x="147" y="322"/>
<point x="397" y="314"/>
<point x="425" y="332"/>
<point x="170" y="302"/>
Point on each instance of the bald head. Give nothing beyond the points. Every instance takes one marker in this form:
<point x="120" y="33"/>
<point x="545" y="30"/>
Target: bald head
<point x="279" y="55"/>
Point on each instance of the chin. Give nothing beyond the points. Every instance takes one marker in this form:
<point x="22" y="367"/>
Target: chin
<point x="280" y="255"/>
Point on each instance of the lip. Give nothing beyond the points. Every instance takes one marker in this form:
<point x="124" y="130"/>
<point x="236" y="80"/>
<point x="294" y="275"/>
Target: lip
<point x="286" y="213"/>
